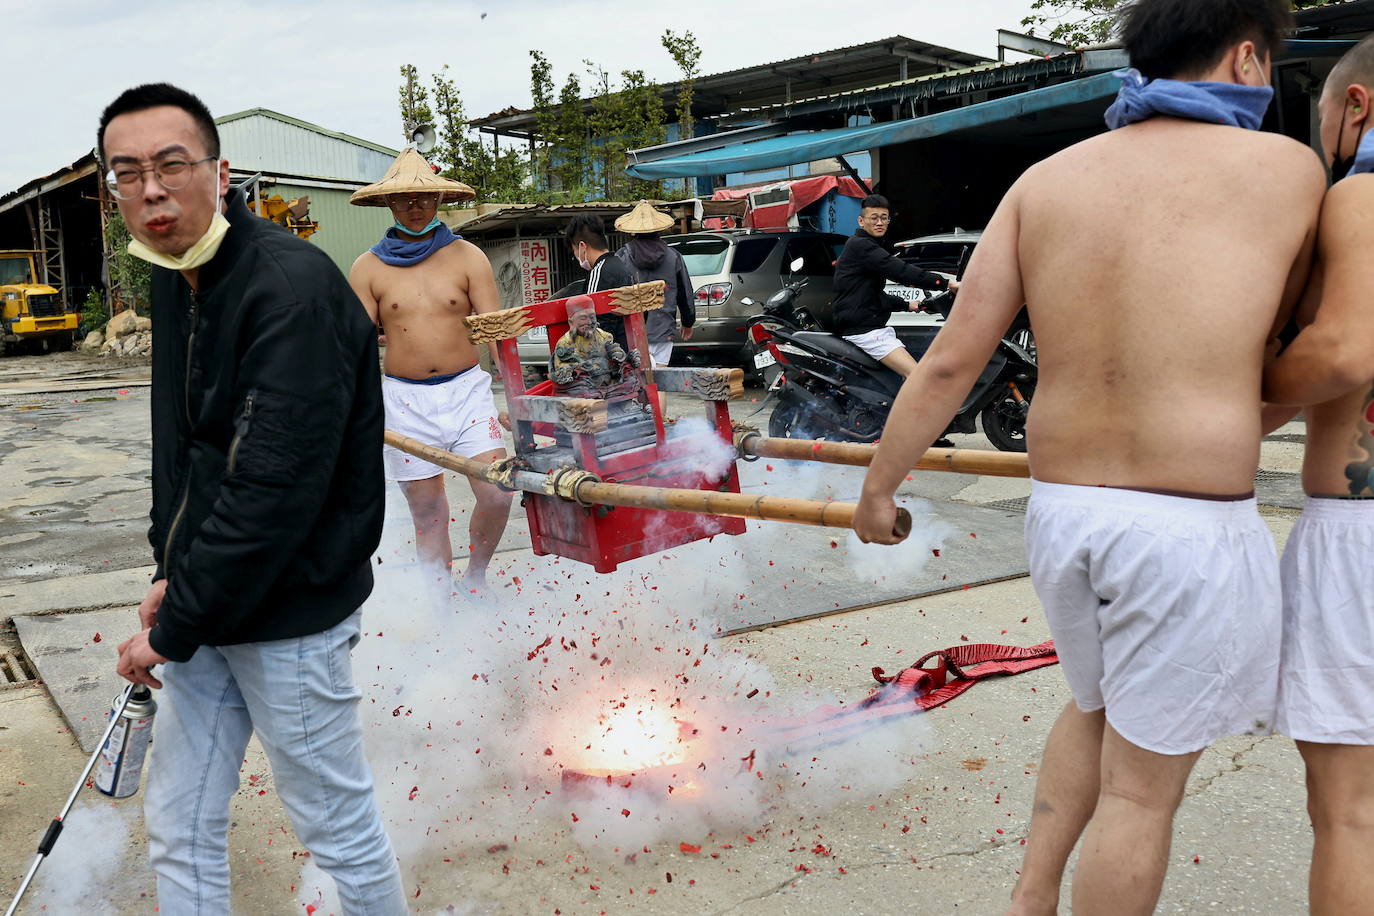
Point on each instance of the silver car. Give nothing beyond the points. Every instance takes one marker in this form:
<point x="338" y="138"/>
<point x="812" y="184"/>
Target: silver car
<point x="942" y="254"/>
<point x="730" y="266"/>
<point x="727" y="267"/>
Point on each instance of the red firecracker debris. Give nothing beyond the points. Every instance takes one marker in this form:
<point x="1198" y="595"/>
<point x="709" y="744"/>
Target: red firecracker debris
<point x="95" y="638"/>
<point x="689" y="848"/>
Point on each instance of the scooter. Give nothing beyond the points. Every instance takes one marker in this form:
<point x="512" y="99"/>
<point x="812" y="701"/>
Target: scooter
<point x="828" y="388"/>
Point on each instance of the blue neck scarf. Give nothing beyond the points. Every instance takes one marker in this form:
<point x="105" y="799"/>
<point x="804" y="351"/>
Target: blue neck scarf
<point x="398" y="251"/>
<point x="1364" y="155"/>
<point x="1217" y="103"/>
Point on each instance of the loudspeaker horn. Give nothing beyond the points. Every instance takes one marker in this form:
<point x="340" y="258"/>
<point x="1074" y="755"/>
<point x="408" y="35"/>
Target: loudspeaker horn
<point x="424" y="138"/>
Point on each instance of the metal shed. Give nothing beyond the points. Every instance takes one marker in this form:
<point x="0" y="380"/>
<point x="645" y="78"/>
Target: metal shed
<point x="63" y="214"/>
<point x="299" y="159"/>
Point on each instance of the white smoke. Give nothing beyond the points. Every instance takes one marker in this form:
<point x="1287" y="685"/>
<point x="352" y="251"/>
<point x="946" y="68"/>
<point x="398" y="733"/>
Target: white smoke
<point x="90" y="863"/>
<point x="473" y="712"/>
<point x="904" y="561"/>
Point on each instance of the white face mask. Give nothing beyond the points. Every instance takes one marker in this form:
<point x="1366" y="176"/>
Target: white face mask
<point x="582" y="261"/>
<point x="198" y="254"/>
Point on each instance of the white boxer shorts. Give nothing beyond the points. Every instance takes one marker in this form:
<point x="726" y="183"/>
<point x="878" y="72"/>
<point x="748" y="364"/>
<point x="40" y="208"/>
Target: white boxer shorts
<point x="457" y="415"/>
<point x="876" y="344"/>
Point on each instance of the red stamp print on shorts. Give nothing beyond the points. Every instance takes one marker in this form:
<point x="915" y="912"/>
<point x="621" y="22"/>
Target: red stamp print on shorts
<point x="493" y="428"/>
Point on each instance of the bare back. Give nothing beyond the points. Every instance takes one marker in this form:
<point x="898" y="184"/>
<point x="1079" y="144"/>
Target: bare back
<point x="421" y="308"/>
<point x="1156" y="262"/>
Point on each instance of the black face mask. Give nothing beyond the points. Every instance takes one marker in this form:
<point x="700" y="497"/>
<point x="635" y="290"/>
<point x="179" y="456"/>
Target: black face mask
<point x="1340" y="168"/>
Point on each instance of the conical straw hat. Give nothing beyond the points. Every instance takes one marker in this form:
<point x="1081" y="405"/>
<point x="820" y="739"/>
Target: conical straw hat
<point x="411" y="174"/>
<point x="644" y="220"/>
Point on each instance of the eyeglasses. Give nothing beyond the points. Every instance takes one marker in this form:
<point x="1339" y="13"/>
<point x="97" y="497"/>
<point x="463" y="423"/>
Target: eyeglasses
<point x="423" y="202"/>
<point x="124" y="181"/>
<point x="880" y="219"/>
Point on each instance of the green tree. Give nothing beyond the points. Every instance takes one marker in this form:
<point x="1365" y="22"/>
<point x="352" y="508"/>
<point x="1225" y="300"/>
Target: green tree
<point x="130" y="278"/>
<point x="583" y="141"/>
<point x="415" y="108"/>
<point x="450" y="126"/>
<point x="546" y="116"/>
<point x="607" y="148"/>
<point x="1074" y="22"/>
<point x="687" y="55"/>
<point x="1086" y="22"/>
<point x="496" y="175"/>
<point x="640" y="109"/>
<point x="570" y="133"/>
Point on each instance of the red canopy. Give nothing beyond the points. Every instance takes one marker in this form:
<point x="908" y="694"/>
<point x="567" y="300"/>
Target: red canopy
<point x="804" y="192"/>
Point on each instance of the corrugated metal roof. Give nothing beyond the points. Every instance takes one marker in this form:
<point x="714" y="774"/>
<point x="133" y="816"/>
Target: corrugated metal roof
<point x="933" y="85"/>
<point x="79" y="169"/>
<point x="763" y="84"/>
<point x="260" y="139"/>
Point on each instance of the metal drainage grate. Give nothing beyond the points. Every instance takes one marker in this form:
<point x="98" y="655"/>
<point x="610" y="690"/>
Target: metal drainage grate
<point x="1275" y="477"/>
<point x="1009" y="505"/>
<point x="15" y="669"/>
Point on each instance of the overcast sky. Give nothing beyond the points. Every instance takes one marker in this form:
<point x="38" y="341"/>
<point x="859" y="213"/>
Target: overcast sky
<point x="335" y="63"/>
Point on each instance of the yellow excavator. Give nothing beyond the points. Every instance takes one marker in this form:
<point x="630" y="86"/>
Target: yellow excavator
<point x="31" y="312"/>
<point x="294" y="214"/>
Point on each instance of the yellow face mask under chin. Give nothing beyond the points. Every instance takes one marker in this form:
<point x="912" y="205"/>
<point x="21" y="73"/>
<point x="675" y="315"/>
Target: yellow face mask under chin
<point x="200" y="253"/>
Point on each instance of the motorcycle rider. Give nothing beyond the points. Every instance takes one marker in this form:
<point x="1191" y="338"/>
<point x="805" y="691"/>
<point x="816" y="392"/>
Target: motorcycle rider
<point x="861" y="308"/>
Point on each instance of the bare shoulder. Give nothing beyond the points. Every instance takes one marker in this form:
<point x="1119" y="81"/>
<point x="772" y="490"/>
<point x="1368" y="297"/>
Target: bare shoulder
<point x="469" y="253"/>
<point x="1348" y="213"/>
<point x="1303" y="165"/>
<point x="363" y="265"/>
<point x="1053" y="169"/>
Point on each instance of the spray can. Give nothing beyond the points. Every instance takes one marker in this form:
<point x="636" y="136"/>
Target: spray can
<point x="121" y="759"/>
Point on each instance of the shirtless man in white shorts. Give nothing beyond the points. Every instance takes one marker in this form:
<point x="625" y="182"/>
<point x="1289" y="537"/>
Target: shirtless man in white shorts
<point x="1326" y="686"/>
<point x="418" y="284"/>
<point x="1159" y="580"/>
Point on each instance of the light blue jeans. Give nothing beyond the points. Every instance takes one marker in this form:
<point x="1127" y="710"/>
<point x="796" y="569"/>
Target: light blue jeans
<point x="298" y="695"/>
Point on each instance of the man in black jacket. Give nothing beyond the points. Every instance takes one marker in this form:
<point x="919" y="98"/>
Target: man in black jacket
<point x="860" y="306"/>
<point x="586" y="236"/>
<point x="267" y="505"/>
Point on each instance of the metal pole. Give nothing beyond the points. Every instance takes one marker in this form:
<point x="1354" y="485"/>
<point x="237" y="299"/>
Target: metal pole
<point x="54" y="830"/>
<point x="850" y="171"/>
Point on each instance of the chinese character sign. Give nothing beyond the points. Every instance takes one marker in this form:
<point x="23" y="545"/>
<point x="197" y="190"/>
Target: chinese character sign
<point x="534" y="271"/>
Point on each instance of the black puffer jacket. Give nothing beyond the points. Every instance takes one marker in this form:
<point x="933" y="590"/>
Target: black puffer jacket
<point x="859" y="304"/>
<point x="267" y="443"/>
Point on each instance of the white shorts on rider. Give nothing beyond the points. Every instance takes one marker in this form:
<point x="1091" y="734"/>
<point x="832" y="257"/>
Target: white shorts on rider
<point x="876" y="344"/>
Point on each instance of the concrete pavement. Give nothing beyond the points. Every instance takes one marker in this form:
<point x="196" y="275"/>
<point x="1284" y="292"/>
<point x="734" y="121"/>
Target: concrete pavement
<point x="927" y="817"/>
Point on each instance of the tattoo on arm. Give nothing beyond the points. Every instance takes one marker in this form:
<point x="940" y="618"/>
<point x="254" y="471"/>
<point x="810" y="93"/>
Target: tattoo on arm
<point x="1361" y="473"/>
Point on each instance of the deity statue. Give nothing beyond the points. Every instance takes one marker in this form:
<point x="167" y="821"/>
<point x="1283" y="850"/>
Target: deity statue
<point x="588" y="363"/>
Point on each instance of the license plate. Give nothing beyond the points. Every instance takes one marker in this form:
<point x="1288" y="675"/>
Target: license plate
<point x="909" y="293"/>
<point x="763" y="359"/>
<point x="539" y="333"/>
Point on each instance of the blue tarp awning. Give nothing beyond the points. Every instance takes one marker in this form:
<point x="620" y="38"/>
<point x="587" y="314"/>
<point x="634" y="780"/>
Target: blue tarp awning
<point x="794" y="148"/>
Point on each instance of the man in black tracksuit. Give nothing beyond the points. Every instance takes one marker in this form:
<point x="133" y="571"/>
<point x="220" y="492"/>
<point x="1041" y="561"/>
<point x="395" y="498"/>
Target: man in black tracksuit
<point x="861" y="309"/>
<point x="267" y="503"/>
<point x="586" y="237"/>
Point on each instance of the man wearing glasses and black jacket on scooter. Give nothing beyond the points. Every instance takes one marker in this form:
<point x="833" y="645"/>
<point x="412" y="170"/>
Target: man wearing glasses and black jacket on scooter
<point x="860" y="307"/>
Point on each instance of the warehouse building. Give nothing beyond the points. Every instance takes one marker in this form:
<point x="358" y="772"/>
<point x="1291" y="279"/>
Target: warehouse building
<point x="64" y="215"/>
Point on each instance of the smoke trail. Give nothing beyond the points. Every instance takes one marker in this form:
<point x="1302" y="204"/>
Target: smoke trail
<point x="475" y="712"/>
<point x="89" y="865"/>
<point x="878" y="562"/>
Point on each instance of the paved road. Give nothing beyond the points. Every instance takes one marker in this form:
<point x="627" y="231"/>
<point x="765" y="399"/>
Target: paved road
<point x="928" y="814"/>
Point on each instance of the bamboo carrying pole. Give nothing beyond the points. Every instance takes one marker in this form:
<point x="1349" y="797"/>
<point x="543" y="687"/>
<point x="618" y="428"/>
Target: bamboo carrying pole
<point x="590" y="491"/>
<point x="957" y="460"/>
